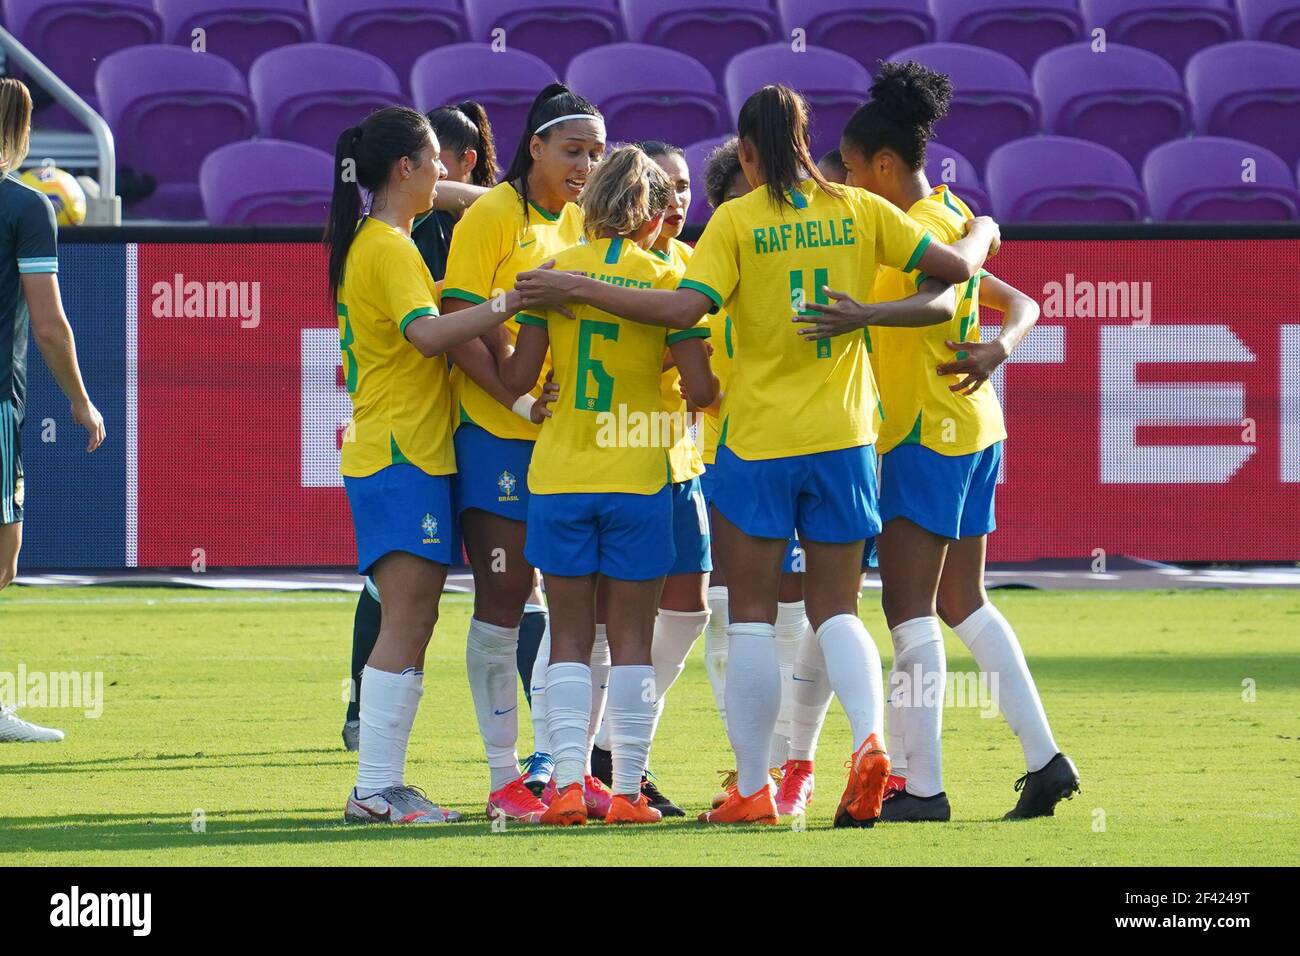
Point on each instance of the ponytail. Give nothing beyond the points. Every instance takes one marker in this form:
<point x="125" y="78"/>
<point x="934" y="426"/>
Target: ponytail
<point x="775" y="122"/>
<point x="465" y="126"/>
<point x="363" y="159"/>
<point x="554" y="101"/>
<point x="907" y="99"/>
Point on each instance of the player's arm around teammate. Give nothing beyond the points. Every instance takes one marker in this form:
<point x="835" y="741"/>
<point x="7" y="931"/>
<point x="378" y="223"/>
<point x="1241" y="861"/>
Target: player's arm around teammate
<point x="31" y="276"/>
<point x="601" y="508"/>
<point x="397" y="455"/>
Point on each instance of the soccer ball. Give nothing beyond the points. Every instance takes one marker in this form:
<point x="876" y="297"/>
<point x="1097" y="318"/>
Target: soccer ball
<point x="65" y="193"/>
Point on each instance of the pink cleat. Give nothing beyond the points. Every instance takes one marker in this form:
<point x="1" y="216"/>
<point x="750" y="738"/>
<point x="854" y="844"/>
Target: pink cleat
<point x="514" y="801"/>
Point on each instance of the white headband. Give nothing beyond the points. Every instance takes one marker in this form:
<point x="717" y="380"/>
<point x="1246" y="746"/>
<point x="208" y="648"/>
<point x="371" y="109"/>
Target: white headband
<point x="563" y="119"/>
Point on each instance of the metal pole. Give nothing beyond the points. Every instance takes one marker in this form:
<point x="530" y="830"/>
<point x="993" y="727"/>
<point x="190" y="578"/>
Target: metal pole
<point x="107" y="209"/>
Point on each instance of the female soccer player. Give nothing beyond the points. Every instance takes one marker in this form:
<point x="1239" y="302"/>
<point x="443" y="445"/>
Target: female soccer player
<point x="526" y="219"/>
<point x="468" y="152"/>
<point x="941" y="444"/>
<point x="683" y="606"/>
<point x="397" y="457"/>
<point x="602" y="508"/>
<point x="29" y="295"/>
<point x="798" y="423"/>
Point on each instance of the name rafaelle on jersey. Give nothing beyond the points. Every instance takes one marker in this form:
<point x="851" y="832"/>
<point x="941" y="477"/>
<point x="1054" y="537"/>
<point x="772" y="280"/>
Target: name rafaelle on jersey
<point x="815" y="234"/>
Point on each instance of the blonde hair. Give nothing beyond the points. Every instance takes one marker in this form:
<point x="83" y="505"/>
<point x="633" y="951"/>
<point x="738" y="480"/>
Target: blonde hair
<point x="15" y="123"/>
<point x="625" y="191"/>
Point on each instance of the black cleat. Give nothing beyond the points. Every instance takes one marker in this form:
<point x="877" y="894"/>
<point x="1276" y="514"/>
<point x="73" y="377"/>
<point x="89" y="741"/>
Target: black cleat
<point x="903" y="807"/>
<point x="602" y="766"/>
<point x="1041" y="790"/>
<point x="657" y="800"/>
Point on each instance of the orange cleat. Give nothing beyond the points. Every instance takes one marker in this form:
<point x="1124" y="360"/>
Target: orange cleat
<point x="623" y="810"/>
<point x="868" y="774"/>
<point x="514" y="801"/>
<point x="568" y="809"/>
<point x="796" y="789"/>
<point x="729" y="784"/>
<point x="758" y="807"/>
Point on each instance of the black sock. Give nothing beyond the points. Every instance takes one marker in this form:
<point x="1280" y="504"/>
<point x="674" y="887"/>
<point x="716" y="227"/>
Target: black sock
<point x="531" y="628"/>
<point x="365" y="631"/>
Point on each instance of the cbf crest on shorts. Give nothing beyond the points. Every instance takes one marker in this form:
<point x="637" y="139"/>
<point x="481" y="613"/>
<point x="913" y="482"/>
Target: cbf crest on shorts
<point x="507" y="484"/>
<point x="430" y="528"/>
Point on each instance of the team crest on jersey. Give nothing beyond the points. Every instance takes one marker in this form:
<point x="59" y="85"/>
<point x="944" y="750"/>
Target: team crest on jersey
<point x="507" y="484"/>
<point x="430" y="528"/>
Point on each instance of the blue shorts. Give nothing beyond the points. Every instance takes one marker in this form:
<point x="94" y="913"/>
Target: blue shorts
<point x="707" y="481"/>
<point x="792" y="563"/>
<point x="828" y="497"/>
<point x="947" y="495"/>
<point x="690" y="529"/>
<point x="623" y="536"/>
<point x="400" y="508"/>
<point x="492" y="472"/>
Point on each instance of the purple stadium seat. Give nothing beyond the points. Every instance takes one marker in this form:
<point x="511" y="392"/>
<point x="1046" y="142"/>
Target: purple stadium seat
<point x="169" y="107"/>
<point x="505" y="83"/>
<point x="1249" y="91"/>
<point x="868" y="33"/>
<point x="555" y="30"/>
<point x="944" y="166"/>
<point x="1128" y="99"/>
<point x="648" y="92"/>
<point x="1276" y="21"/>
<point x="833" y="84"/>
<point x="696" y="154"/>
<point x="1022" y="29"/>
<point x="1059" y="179"/>
<point x="992" y="102"/>
<point x="309" y="93"/>
<point x="266" y="181"/>
<point x="1175" y="29"/>
<point x="1202" y="179"/>
<point x="72" y="37"/>
<point x="711" y="31"/>
<point x="236" y="30"/>
<point x="396" y="31"/>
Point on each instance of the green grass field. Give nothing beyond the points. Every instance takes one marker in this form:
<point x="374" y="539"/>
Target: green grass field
<point x="227" y="707"/>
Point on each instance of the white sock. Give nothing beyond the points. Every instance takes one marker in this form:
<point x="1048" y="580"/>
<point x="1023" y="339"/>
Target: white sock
<point x="791" y="622"/>
<point x="812" y="697"/>
<point x="997" y="652"/>
<point x="753" y="698"/>
<point x="919" y="659"/>
<point x="631" y="720"/>
<point x="853" y="667"/>
<point x="541" y="741"/>
<point x="715" y="648"/>
<point x="675" y="634"/>
<point x="490" y="653"/>
<point x="894" y="724"/>
<point x="387" y="714"/>
<point x="600" y="661"/>
<point x="568" y="714"/>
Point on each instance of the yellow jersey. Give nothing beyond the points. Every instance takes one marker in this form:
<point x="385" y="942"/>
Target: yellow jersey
<point x="494" y="242"/>
<point x="684" y="457"/>
<point x="788" y="396"/>
<point x="609" y="432"/>
<point x="724" y="351"/>
<point x="918" y="406"/>
<point x="401" y="401"/>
